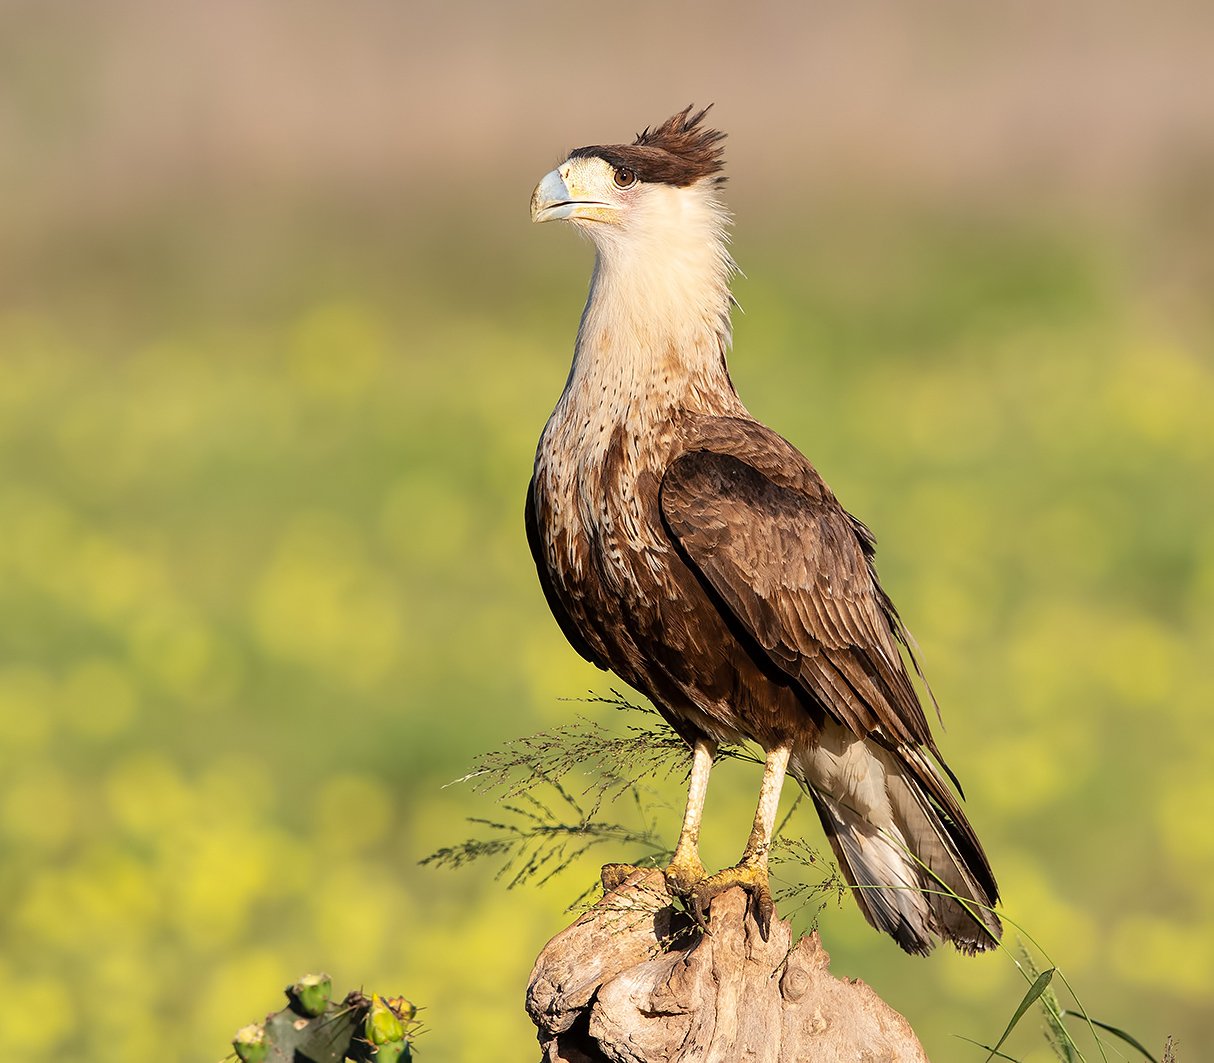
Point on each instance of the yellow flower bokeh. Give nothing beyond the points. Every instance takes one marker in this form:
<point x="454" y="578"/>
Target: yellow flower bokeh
<point x="264" y="591"/>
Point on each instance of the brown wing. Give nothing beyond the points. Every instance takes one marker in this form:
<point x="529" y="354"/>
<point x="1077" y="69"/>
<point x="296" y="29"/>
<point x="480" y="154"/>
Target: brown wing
<point x="773" y="545"/>
<point x="539" y="555"/>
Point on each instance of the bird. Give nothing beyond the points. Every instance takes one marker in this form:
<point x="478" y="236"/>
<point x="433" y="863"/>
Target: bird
<point x="698" y="555"/>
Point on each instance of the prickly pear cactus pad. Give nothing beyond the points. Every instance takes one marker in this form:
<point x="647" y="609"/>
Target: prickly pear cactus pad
<point x="313" y="1028"/>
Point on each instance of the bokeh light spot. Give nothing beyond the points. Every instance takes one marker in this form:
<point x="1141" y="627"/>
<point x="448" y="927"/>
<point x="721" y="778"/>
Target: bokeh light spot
<point x="98" y="698"/>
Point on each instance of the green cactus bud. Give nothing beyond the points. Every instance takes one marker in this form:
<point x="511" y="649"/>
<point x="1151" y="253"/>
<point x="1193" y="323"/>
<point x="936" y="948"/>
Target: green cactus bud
<point x="393" y="1052"/>
<point x="310" y="995"/>
<point x="250" y="1043"/>
<point x="382" y="1025"/>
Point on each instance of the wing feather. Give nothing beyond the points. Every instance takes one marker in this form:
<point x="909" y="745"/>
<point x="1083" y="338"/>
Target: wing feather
<point x="764" y="533"/>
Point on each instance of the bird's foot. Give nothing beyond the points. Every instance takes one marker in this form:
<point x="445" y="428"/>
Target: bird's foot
<point x="614" y="875"/>
<point x="752" y="877"/>
<point x="684" y="874"/>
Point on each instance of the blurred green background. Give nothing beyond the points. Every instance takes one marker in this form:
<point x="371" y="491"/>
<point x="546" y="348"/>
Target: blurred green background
<point x="276" y="343"/>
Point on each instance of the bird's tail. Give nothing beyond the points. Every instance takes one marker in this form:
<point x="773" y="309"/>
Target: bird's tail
<point x="922" y="877"/>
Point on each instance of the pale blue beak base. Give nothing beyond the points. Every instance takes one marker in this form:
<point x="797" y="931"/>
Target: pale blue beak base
<point x="552" y="200"/>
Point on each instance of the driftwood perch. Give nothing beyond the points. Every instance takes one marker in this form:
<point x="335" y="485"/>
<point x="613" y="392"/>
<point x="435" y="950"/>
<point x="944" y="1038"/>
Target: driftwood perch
<point x="635" y="981"/>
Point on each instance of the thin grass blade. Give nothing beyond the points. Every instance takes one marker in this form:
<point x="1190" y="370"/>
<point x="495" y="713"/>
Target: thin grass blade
<point x="1130" y="1040"/>
<point x="986" y="1048"/>
<point x="1035" y="990"/>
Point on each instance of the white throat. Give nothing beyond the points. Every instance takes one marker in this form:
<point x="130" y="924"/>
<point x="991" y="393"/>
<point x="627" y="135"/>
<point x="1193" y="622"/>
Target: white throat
<point x="652" y="343"/>
<point x="656" y="325"/>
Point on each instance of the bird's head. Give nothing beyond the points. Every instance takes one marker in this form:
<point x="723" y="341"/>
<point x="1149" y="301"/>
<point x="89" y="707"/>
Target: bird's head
<point x="614" y="188"/>
<point x="662" y="265"/>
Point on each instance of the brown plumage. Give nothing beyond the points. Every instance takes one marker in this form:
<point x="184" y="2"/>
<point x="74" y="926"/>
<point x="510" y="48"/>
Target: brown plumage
<point x="698" y="555"/>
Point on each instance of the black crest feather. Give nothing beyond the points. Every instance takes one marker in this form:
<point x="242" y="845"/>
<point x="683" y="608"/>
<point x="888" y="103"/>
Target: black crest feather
<point x="678" y="152"/>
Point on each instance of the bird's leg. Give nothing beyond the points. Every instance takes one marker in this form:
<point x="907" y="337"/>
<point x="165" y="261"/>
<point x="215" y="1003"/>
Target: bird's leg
<point x="685" y="869"/>
<point x="751" y="871"/>
<point x="759" y="842"/>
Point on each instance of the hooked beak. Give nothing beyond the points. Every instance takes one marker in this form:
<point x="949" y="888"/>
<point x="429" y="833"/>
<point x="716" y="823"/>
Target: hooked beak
<point x="553" y="200"/>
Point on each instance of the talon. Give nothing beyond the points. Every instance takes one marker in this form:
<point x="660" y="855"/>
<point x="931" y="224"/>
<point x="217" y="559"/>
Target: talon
<point x="763" y="907"/>
<point x="752" y="878"/>
<point x="700" y="900"/>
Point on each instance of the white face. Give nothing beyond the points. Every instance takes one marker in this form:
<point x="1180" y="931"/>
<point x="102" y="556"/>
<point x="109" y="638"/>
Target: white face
<point x="586" y="190"/>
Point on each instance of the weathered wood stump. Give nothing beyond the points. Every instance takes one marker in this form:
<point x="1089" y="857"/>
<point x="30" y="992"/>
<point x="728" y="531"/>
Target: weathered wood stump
<point x="635" y="981"/>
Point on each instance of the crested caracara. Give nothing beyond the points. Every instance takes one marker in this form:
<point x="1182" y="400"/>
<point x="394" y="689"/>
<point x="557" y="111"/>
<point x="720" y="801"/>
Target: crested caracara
<point x="699" y="556"/>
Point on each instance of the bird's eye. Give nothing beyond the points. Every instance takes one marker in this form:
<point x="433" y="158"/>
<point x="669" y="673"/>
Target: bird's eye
<point x="624" y="177"/>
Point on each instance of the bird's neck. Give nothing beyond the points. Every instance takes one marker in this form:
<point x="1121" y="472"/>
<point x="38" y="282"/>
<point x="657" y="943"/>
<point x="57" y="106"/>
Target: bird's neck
<point x="656" y="327"/>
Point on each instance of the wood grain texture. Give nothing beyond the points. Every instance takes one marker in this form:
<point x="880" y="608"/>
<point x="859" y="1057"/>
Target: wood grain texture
<point x="633" y="981"/>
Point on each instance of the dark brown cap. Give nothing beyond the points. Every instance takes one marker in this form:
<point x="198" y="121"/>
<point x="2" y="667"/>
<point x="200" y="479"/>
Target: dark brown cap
<point x="678" y="152"/>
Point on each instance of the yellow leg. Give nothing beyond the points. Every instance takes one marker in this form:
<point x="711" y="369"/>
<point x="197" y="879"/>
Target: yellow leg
<point x="759" y="843"/>
<point x="751" y="871"/>
<point x="685" y="869"/>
